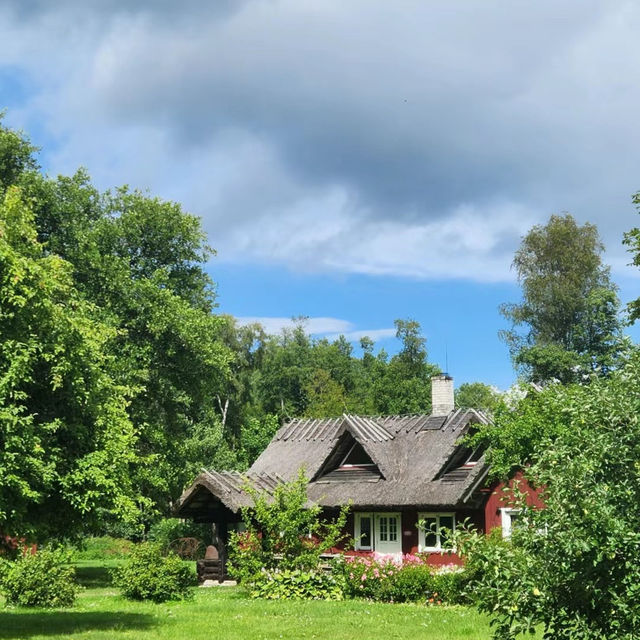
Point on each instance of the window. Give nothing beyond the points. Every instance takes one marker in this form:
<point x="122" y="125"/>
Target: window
<point x="436" y="534"/>
<point x="356" y="457"/>
<point x="388" y="528"/>
<point x="509" y="519"/>
<point x="364" y="532"/>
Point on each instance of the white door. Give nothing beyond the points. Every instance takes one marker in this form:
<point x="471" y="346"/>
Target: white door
<point x="387" y="533"/>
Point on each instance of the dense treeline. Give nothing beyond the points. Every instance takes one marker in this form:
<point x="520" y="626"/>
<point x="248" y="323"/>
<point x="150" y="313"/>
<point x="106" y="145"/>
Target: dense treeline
<point x="119" y="379"/>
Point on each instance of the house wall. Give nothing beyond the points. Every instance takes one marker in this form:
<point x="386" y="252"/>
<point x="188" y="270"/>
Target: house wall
<point x="410" y="537"/>
<point x="500" y="496"/>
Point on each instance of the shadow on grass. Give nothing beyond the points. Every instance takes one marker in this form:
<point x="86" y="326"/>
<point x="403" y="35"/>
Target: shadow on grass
<point x="94" y="577"/>
<point x="51" y="623"/>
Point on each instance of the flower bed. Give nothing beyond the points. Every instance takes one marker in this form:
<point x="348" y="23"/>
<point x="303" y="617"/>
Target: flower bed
<point x="403" y="579"/>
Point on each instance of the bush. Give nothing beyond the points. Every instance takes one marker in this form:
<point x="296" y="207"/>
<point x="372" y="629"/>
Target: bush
<point x="283" y="532"/>
<point x="410" y="583"/>
<point x="365" y="575"/>
<point x="411" y="579"/>
<point x="571" y="570"/>
<point x="297" y="584"/>
<point x="149" y="575"/>
<point x="42" y="579"/>
<point x="453" y="585"/>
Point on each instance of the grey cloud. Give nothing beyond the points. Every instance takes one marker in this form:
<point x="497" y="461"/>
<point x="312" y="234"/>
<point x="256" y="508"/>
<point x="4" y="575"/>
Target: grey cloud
<point x="414" y="112"/>
<point x="411" y="112"/>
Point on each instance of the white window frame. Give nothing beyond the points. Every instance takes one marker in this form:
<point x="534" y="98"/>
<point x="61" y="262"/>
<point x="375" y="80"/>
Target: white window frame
<point x="358" y="532"/>
<point x="506" y="515"/>
<point x="422" y="534"/>
<point x="397" y="517"/>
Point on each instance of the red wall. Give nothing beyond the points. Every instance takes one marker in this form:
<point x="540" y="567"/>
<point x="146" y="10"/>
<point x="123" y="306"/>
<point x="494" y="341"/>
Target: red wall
<point x="500" y="497"/>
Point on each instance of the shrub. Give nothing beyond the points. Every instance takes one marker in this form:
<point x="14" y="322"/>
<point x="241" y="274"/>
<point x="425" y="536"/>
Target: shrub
<point x="364" y="575"/>
<point x="42" y="579"/>
<point x="409" y="579"/>
<point x="282" y="532"/>
<point x="453" y="585"/>
<point x="571" y="569"/>
<point x="149" y="575"/>
<point x="297" y="584"/>
<point x="410" y="583"/>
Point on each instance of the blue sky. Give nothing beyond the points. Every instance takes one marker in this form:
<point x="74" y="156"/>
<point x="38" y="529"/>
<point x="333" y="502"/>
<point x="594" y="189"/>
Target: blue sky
<point x="352" y="162"/>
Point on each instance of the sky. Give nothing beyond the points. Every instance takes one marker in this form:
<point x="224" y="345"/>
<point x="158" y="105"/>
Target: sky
<point x="352" y="162"/>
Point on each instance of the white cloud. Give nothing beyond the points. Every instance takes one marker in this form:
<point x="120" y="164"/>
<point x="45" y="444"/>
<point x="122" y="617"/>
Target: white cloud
<point x="330" y="328"/>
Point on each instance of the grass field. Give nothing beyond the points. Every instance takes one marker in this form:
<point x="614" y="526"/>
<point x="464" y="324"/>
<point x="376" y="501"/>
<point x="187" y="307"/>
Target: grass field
<point x="225" y="614"/>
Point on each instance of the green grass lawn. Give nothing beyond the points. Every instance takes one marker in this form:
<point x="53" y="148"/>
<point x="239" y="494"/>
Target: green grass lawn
<point x="224" y="613"/>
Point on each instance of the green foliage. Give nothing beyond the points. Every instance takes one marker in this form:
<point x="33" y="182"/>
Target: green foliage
<point x="297" y="584"/>
<point x="256" y="434"/>
<point x="410" y="580"/>
<point x="512" y="440"/>
<point x="572" y="567"/>
<point x="477" y="395"/>
<point x="632" y="241"/>
<point x="110" y="357"/>
<point x="413" y="583"/>
<point x="42" y="579"/>
<point x="16" y="156"/>
<point x="283" y="532"/>
<point x="169" y="530"/>
<point x="102" y="548"/>
<point x="567" y="324"/>
<point x="67" y="438"/>
<point x="149" y="575"/>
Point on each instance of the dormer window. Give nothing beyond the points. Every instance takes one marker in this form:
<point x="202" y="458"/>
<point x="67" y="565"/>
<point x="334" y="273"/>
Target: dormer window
<point x="349" y="462"/>
<point x="356" y="457"/>
<point x="474" y="457"/>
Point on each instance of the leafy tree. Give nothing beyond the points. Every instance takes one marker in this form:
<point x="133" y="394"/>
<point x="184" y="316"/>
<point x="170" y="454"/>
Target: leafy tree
<point x="286" y="369"/>
<point x="138" y="264"/>
<point x="325" y="396"/>
<point x="572" y="567"/>
<point x="477" y="395"/>
<point x="405" y="386"/>
<point x="632" y="240"/>
<point x="567" y="324"/>
<point x="16" y="156"/>
<point x="67" y="443"/>
<point x="283" y="531"/>
<point x="256" y="435"/>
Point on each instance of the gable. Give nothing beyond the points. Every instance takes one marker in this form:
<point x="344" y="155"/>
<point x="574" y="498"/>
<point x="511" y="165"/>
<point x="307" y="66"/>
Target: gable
<point x="348" y="462"/>
<point x="462" y="461"/>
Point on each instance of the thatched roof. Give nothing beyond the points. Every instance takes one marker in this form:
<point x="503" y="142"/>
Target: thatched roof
<point x="414" y="463"/>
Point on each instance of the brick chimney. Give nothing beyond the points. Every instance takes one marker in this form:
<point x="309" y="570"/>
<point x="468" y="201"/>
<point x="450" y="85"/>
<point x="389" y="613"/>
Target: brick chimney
<point x="442" y="402"/>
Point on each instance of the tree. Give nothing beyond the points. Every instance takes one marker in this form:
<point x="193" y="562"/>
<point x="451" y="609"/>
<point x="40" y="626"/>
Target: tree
<point x="567" y="325"/>
<point x="325" y="397"/>
<point x="477" y="395"/>
<point x="572" y="567"/>
<point x="137" y="263"/>
<point x="67" y="445"/>
<point x="632" y="240"/>
<point x="283" y="531"/>
<point x="16" y="156"/>
<point x="405" y="386"/>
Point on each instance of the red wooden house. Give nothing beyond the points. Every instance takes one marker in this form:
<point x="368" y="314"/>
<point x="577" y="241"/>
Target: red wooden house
<point x="394" y="471"/>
